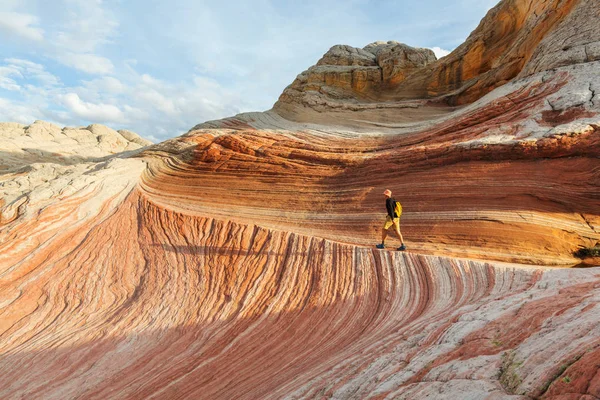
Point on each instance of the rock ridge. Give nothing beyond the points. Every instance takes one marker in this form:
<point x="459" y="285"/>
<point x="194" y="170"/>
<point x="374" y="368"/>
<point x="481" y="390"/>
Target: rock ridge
<point x="22" y="145"/>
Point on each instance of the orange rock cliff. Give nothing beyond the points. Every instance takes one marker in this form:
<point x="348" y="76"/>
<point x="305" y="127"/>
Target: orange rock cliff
<point x="237" y="260"/>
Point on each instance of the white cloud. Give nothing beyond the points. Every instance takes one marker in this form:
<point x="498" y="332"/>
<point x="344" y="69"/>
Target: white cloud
<point x="139" y="102"/>
<point x="439" y="52"/>
<point x="12" y="112"/>
<point x="24" y="63"/>
<point x="157" y="101"/>
<point x="88" y="25"/>
<point x="173" y="108"/>
<point x="75" y="35"/>
<point x="6" y="82"/>
<point x="15" y="74"/>
<point x="21" y="25"/>
<point x="106" y="84"/>
<point x="92" y="112"/>
<point x="26" y="69"/>
<point x="90" y="63"/>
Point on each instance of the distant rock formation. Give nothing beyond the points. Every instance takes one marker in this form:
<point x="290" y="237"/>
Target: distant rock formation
<point x="45" y="142"/>
<point x="346" y="72"/>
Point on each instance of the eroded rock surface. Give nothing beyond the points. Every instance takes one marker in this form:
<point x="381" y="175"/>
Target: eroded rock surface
<point x="158" y="303"/>
<point x="22" y="145"/>
<point x="346" y="72"/>
<point x="516" y="38"/>
<point x="237" y="260"/>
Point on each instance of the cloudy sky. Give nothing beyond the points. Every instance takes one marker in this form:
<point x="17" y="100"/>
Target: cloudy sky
<point x="159" y="67"/>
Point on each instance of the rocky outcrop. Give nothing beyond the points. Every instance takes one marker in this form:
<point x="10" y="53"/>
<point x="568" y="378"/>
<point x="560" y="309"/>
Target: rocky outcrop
<point x="22" y="145"/>
<point x="246" y="252"/>
<point x="351" y="73"/>
<point x="574" y="41"/>
<point x="516" y="38"/>
<point x="496" y="51"/>
<point x="480" y="184"/>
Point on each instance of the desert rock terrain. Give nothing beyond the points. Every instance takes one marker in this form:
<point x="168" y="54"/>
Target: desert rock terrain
<point x="238" y="260"/>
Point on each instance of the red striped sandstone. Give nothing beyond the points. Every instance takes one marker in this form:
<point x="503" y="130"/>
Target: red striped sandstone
<point x="513" y="177"/>
<point x="235" y="261"/>
<point x="141" y="301"/>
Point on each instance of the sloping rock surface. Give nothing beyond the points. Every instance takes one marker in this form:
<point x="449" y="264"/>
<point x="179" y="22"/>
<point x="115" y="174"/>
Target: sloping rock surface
<point x="41" y="141"/>
<point x="237" y="260"/>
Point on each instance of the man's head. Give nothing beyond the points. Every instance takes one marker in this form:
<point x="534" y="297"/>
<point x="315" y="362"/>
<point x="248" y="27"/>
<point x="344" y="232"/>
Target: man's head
<point x="387" y="193"/>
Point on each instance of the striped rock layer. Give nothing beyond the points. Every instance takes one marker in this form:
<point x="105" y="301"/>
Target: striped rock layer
<point x="142" y="301"/>
<point x="237" y="261"/>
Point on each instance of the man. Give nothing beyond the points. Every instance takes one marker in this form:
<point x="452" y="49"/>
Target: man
<point x="393" y="218"/>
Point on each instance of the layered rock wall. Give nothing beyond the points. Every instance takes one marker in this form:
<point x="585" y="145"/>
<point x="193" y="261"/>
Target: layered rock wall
<point x="514" y="177"/>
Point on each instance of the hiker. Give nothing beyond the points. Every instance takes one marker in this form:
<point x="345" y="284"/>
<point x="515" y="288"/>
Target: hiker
<point x="394" y="210"/>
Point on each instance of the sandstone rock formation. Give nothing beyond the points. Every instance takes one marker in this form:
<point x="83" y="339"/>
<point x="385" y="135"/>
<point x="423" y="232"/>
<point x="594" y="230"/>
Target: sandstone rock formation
<point x="516" y="38"/>
<point x="237" y="260"/>
<point x="346" y="72"/>
<point x="45" y="142"/>
<point x="195" y="307"/>
<point x="512" y="177"/>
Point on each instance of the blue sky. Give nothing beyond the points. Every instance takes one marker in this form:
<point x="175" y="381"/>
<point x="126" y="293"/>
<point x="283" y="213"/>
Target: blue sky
<point x="159" y="67"/>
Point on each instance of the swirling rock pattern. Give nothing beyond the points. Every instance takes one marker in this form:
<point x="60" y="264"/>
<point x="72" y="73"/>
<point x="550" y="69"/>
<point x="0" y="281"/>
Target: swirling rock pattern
<point x="482" y="184"/>
<point x="145" y="302"/>
<point x="236" y="261"/>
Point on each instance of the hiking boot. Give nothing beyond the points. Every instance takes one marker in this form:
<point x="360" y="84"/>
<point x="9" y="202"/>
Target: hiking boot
<point x="402" y="248"/>
<point x="380" y="246"/>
